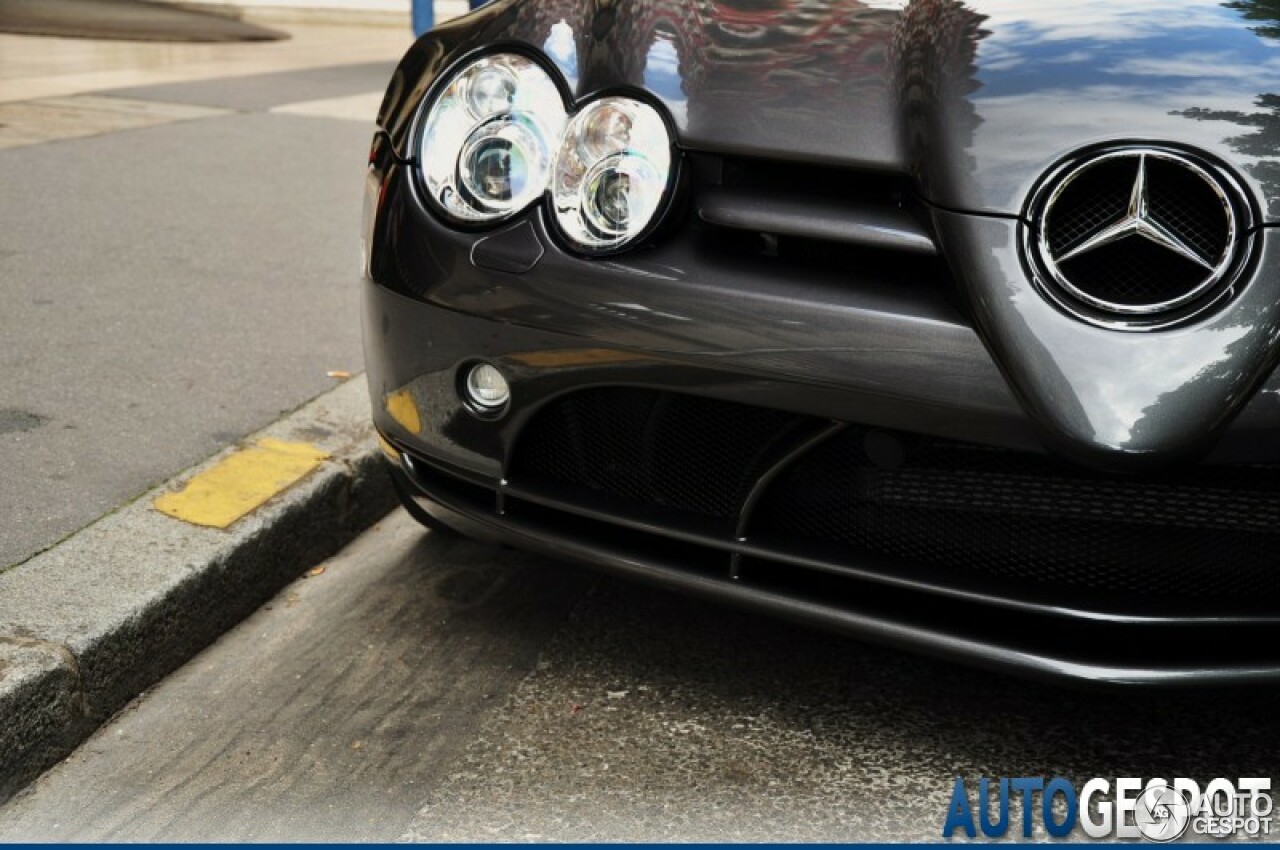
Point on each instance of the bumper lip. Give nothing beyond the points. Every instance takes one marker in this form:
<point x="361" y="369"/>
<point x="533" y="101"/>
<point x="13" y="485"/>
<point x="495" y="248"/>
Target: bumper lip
<point x="450" y="495"/>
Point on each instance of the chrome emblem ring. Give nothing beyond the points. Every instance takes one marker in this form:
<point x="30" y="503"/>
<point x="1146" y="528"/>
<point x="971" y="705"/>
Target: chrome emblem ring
<point x="1134" y="234"/>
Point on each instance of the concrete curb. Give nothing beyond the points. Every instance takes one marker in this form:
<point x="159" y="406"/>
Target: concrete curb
<point x="92" y="622"/>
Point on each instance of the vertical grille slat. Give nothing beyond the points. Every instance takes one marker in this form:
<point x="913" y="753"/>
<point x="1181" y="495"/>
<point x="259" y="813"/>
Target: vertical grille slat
<point x="685" y="453"/>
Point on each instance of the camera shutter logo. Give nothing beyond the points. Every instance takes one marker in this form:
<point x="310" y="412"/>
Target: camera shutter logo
<point x="1162" y="813"/>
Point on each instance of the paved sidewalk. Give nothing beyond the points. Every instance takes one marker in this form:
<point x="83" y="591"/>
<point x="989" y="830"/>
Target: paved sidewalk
<point x="180" y="256"/>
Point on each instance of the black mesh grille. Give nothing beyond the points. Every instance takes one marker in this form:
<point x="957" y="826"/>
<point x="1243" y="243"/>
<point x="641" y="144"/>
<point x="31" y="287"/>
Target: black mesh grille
<point x="1095" y="199"/>
<point x="1135" y="271"/>
<point x="1212" y="530"/>
<point x="1189" y="207"/>
<point x="692" y="454"/>
<point x="1208" y="531"/>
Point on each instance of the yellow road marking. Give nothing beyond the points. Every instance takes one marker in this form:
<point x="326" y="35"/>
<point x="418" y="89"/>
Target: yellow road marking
<point x="241" y="483"/>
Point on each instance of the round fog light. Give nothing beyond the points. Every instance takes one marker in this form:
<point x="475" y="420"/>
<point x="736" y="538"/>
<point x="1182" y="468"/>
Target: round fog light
<point x="486" y="388"/>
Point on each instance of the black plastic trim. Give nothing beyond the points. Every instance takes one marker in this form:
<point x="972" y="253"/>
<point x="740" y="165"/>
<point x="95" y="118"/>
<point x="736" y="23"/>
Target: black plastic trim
<point x="851" y="222"/>
<point x="880" y="600"/>
<point x="1004" y="643"/>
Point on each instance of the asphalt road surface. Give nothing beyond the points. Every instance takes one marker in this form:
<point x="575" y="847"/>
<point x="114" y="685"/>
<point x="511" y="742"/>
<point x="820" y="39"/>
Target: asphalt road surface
<point x="429" y="688"/>
<point x="180" y="265"/>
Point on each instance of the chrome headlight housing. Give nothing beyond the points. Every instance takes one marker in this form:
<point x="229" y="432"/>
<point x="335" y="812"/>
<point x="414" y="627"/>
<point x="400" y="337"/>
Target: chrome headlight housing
<point x="489" y="138"/>
<point x="611" y="174"/>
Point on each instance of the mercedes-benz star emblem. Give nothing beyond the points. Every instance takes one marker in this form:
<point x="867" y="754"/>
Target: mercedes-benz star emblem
<point x="1138" y="222"/>
<point x="1137" y="235"/>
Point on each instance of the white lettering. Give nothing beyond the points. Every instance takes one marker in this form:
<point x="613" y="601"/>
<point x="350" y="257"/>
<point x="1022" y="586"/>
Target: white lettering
<point x="1100" y="828"/>
<point x="1126" y="799"/>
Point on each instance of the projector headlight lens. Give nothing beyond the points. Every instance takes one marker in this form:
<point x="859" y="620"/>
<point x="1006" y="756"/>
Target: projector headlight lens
<point x="611" y="173"/>
<point x="497" y="167"/>
<point x="488" y="141"/>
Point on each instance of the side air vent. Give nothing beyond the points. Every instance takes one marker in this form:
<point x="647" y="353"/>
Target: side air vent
<point x="850" y="222"/>
<point x="814" y="214"/>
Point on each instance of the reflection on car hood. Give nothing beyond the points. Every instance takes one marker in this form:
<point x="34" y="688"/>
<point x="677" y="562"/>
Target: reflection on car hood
<point x="975" y="98"/>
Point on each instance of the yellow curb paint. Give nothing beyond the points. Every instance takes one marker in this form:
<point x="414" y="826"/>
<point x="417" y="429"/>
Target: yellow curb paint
<point x="240" y="483"/>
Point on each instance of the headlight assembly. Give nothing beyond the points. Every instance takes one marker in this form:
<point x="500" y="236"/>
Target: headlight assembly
<point x="489" y="137"/>
<point x="498" y="137"/>
<point x="611" y="174"/>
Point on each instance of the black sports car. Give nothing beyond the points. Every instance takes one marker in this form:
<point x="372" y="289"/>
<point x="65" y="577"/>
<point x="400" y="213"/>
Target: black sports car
<point x="948" y="324"/>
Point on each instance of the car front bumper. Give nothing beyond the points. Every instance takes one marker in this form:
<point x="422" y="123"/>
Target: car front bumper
<point x="889" y="357"/>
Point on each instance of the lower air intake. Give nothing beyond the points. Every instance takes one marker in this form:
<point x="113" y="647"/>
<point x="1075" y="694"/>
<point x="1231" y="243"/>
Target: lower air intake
<point x="973" y="510"/>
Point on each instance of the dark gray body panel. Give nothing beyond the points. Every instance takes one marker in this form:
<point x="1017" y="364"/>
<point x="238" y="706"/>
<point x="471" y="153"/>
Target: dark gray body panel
<point x="963" y="347"/>
<point x="888" y="352"/>
<point x="918" y="91"/>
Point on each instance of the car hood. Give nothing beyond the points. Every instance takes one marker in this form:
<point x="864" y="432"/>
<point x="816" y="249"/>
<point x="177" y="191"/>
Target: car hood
<point x="975" y="99"/>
